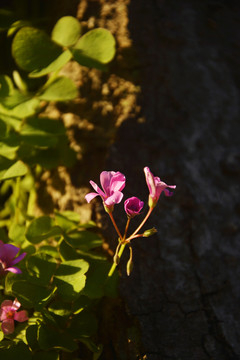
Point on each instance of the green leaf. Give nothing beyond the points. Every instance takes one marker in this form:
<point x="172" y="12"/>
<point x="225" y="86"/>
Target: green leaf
<point x="67" y="219"/>
<point x="96" y="279"/>
<point x="61" y="89"/>
<point x="42" y="228"/>
<point x="13" y="117"/>
<point x="66" y="31"/>
<point x="46" y="355"/>
<point x="95" y="48"/>
<point x="9" y="146"/>
<point x="70" y="278"/>
<point x="17" y="232"/>
<point x="67" y="252"/>
<point x="29" y="294"/>
<point x="49" y="338"/>
<point x="35" y="52"/>
<point x="10" y="169"/>
<point x="6" y="86"/>
<point x="83" y="324"/>
<point x="15" y="99"/>
<point x="84" y="240"/>
<point x="31" y="336"/>
<point x="42" y="266"/>
<point x="58" y="307"/>
<point x="18" y="351"/>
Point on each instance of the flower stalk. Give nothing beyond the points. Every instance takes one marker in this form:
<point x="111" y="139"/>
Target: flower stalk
<point x="112" y="184"/>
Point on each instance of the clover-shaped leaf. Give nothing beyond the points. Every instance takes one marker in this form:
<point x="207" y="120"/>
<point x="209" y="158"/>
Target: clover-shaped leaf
<point x="35" y="52"/>
<point x="95" y="48"/>
<point x="66" y="31"/>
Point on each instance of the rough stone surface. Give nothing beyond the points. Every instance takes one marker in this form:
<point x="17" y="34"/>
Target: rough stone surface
<point x="184" y="288"/>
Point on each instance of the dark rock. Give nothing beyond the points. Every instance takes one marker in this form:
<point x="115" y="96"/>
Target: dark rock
<point x="184" y="288"/>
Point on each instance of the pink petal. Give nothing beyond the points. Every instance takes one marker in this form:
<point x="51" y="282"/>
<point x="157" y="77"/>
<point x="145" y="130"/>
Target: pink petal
<point x="96" y="188"/>
<point x="18" y="258"/>
<point x="105" y="180"/>
<point x="114" y="199"/>
<point x="14" y="270"/>
<point x="8" y="326"/>
<point x="118" y="182"/>
<point x="11" y="251"/>
<point x="150" y="180"/>
<point x="6" y="303"/>
<point x="21" y="316"/>
<point x="90" y="196"/>
<point x="16" y="305"/>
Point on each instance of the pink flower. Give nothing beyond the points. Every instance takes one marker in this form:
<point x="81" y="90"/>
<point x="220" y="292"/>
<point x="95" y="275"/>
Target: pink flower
<point x="8" y="313"/>
<point x="156" y="186"/>
<point x="133" y="206"/>
<point x="7" y="261"/>
<point x="112" y="184"/>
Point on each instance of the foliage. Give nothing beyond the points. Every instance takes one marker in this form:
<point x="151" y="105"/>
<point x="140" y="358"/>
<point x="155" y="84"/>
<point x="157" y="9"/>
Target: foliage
<point x="64" y="273"/>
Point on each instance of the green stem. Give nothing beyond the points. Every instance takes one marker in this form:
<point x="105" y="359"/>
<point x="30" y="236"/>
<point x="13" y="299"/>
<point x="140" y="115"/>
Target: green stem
<point x="114" y="265"/>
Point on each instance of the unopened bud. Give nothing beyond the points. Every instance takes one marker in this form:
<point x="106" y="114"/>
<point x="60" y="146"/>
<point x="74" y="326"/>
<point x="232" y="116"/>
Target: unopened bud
<point x="129" y="267"/>
<point x="149" y="232"/>
<point x="116" y="259"/>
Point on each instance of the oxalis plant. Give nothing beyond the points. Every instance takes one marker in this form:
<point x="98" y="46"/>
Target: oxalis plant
<point x="52" y="268"/>
<point x="112" y="184"/>
<point x="53" y="271"/>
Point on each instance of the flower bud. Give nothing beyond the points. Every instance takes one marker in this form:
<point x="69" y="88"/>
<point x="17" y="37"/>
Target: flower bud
<point x="149" y="232"/>
<point x="133" y="206"/>
<point x="129" y="266"/>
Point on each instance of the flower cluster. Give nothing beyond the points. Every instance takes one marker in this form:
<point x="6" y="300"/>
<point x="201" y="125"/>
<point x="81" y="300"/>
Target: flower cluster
<point x="8" y="311"/>
<point x="111" y="193"/>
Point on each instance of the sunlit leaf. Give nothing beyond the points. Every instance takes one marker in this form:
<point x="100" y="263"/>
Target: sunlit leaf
<point x="9" y="146"/>
<point x="66" y="31"/>
<point x="42" y="228"/>
<point x="61" y="89"/>
<point x="15" y="99"/>
<point x="13" y="117"/>
<point x="35" y="52"/>
<point x="10" y="169"/>
<point x="60" y="308"/>
<point x="70" y="278"/>
<point x="95" y="48"/>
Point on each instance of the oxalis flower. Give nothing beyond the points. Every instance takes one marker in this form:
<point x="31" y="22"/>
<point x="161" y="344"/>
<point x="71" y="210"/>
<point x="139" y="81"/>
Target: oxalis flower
<point x="8" y="260"/>
<point x="8" y="313"/>
<point x="156" y="187"/>
<point x="112" y="184"/>
<point x="133" y="206"/>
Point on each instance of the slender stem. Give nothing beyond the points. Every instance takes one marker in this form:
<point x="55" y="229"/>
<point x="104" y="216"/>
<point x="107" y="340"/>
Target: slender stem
<point x="141" y="225"/>
<point x="126" y="228"/>
<point x="115" y="225"/>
